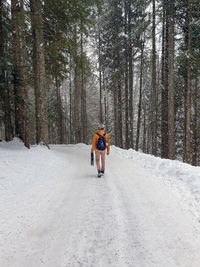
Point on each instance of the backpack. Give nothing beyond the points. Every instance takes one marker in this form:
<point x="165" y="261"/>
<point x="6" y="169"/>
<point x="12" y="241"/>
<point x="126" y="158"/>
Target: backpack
<point x="101" y="143"/>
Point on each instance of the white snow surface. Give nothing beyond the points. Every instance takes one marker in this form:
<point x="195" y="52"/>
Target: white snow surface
<point x="55" y="212"/>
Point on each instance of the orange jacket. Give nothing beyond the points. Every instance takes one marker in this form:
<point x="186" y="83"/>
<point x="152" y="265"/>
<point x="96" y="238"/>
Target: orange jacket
<point x="95" y="139"/>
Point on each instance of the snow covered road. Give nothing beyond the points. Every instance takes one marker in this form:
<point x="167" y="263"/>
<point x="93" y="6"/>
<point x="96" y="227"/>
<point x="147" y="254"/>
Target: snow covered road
<point x="56" y="213"/>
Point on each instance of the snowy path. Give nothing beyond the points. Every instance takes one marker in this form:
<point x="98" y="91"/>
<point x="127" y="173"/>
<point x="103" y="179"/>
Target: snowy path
<point x="127" y="218"/>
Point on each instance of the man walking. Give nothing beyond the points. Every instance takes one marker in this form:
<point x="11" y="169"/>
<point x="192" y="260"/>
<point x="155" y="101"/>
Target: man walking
<point x="101" y="141"/>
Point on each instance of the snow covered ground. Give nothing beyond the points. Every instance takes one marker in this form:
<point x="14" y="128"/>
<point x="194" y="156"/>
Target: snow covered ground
<point x="54" y="212"/>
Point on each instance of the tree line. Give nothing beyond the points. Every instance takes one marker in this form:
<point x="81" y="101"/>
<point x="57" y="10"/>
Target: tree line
<point x="42" y="46"/>
<point x="66" y="66"/>
<point x="149" y="60"/>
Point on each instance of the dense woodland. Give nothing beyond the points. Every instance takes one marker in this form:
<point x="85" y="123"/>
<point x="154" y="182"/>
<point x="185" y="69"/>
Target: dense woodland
<point x="68" y="65"/>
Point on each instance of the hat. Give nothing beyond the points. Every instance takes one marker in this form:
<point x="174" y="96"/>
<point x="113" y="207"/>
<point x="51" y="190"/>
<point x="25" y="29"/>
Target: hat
<point x="101" y="127"/>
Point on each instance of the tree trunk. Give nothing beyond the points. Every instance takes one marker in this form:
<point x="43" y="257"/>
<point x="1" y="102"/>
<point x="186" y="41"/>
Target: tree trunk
<point x="140" y="99"/>
<point x="7" y="114"/>
<point x="164" y="82"/>
<point x="39" y="73"/>
<point x="119" y="102"/>
<point x="149" y="136"/>
<point x="120" y="113"/>
<point x="77" y="122"/>
<point x="187" y="150"/>
<point x="85" y="124"/>
<point x="18" y="92"/>
<point x="154" y="89"/>
<point x="59" y="112"/>
<point x="126" y="82"/>
<point x="195" y="117"/>
<point x="24" y="72"/>
<point x="100" y="83"/>
<point x="83" y="98"/>
<point x="131" y="101"/>
<point x="171" y="116"/>
<point x="116" y="111"/>
<point x="4" y="86"/>
<point x="144" y="131"/>
<point x="105" y="102"/>
<point x="130" y="63"/>
<point x="70" y="104"/>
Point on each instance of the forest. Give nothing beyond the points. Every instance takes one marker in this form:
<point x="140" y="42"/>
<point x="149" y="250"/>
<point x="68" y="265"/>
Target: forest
<point x="68" y="65"/>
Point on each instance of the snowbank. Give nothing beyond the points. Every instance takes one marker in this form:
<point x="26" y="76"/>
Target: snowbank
<point x="184" y="178"/>
<point x="25" y="176"/>
<point x="24" y="166"/>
